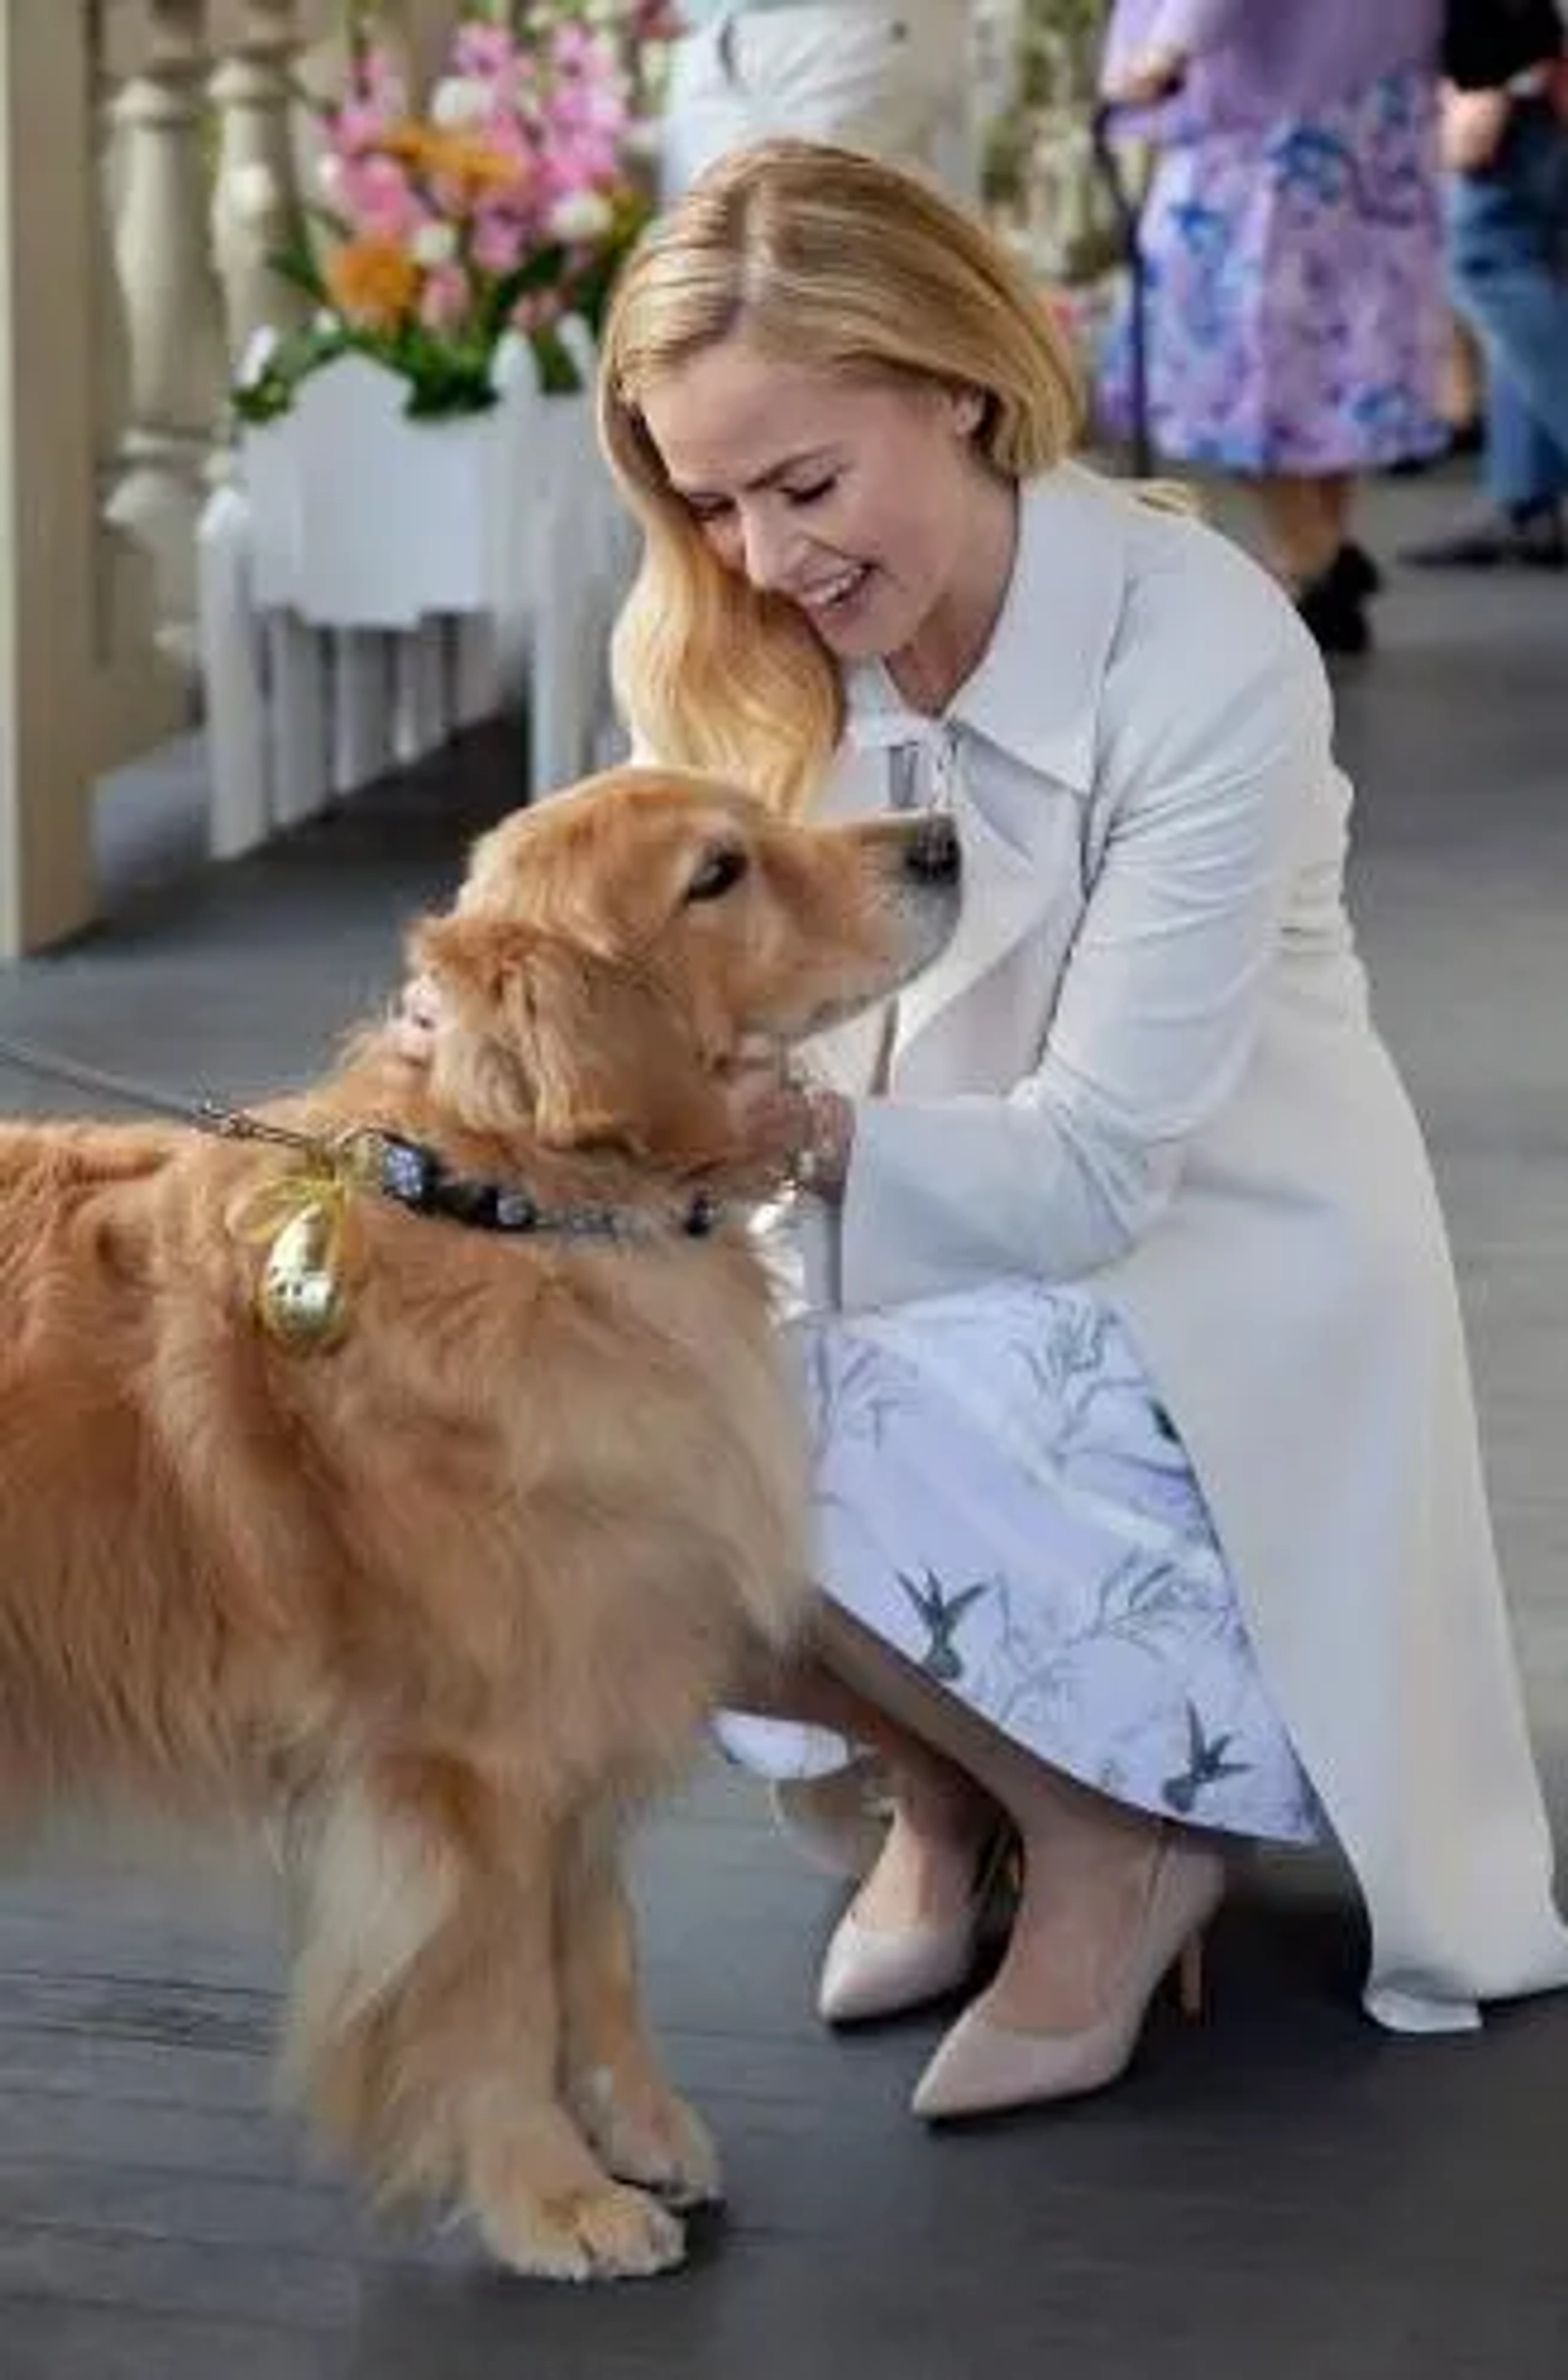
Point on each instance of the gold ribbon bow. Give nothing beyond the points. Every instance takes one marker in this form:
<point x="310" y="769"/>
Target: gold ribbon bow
<point x="302" y="1219"/>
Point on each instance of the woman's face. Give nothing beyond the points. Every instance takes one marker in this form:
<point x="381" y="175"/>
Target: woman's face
<point x="865" y="502"/>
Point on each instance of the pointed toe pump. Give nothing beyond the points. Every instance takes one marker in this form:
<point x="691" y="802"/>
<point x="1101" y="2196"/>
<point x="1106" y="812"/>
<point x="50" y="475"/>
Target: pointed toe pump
<point x="870" y="1971"/>
<point x="982" y="2067"/>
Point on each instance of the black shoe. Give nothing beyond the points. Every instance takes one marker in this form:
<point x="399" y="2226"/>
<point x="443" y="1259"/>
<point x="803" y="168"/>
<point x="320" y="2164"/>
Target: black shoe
<point x="1463" y="438"/>
<point x="1357" y="572"/>
<point x="1495" y="540"/>
<point x="1335" y="616"/>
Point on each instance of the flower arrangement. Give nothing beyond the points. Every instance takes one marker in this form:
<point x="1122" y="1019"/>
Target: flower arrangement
<point x="503" y="207"/>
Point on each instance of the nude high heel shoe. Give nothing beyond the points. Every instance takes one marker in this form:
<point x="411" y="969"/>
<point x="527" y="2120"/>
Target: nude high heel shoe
<point x="868" y="1972"/>
<point x="982" y="2067"/>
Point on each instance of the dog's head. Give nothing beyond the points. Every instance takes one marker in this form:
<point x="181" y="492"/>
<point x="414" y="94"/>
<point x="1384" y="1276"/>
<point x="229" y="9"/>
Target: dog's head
<point x="612" y="951"/>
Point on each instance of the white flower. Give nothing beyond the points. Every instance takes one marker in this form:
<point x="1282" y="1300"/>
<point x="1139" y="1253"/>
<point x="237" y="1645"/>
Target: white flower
<point x="458" y="101"/>
<point x="253" y="194"/>
<point x="433" y="244"/>
<point x="257" y="355"/>
<point x="330" y="175"/>
<point x="581" y="214"/>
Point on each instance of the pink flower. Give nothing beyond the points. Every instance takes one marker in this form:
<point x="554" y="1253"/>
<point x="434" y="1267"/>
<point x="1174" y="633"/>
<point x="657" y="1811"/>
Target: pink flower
<point x="381" y="84"/>
<point x="445" y="297"/>
<point x="355" y="126"/>
<point x="536" y="310"/>
<point x="499" y="241"/>
<point x="572" y="48"/>
<point x="375" y="194"/>
<point x="487" y="52"/>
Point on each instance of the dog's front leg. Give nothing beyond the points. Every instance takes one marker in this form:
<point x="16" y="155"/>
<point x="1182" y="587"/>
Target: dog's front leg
<point x="427" y="2024"/>
<point x="643" y="2130"/>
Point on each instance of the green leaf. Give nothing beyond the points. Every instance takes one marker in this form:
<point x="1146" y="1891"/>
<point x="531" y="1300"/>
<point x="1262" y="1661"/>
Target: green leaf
<point x="293" y="261"/>
<point x="540" y="271"/>
<point x="558" y="372"/>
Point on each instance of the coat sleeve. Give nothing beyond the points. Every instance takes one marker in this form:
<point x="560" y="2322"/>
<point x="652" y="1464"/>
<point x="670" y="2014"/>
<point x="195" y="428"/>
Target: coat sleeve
<point x="1214" y="746"/>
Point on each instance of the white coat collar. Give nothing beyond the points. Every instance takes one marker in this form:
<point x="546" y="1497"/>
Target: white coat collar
<point x="1036" y="691"/>
<point x="1036" y="695"/>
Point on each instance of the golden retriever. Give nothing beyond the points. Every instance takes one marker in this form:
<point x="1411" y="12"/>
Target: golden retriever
<point x="436" y="1598"/>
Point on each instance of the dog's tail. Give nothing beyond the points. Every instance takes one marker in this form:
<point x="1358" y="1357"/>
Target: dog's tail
<point x="373" y="1889"/>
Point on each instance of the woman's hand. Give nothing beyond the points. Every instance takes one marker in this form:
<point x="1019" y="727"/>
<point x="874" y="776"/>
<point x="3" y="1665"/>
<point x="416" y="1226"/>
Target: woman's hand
<point x="802" y="1132"/>
<point x="1144" y="80"/>
<point x="414" y="1020"/>
<point x="1473" y="125"/>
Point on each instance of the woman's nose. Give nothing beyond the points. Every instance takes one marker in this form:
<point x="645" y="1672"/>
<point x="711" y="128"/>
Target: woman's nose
<point x="767" y="544"/>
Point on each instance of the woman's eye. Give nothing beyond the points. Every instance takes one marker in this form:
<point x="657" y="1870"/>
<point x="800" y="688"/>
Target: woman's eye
<point x="811" y="495"/>
<point x="718" y="874"/>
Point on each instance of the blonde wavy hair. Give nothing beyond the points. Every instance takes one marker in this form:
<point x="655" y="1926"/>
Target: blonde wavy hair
<point x="831" y="260"/>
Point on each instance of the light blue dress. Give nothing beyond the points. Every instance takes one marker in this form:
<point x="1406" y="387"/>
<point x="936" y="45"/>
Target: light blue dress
<point x="1000" y="1498"/>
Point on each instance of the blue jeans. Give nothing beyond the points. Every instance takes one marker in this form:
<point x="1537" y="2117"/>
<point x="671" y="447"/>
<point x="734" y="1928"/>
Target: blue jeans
<point x="1508" y="264"/>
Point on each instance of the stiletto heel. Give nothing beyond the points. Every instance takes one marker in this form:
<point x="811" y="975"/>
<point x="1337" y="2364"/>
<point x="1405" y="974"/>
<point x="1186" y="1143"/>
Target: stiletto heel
<point x="983" y="2065"/>
<point x="1189" y="1977"/>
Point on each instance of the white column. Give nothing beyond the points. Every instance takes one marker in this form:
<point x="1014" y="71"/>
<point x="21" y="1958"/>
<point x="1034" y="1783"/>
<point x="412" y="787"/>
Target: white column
<point x="255" y="195"/>
<point x="46" y="471"/>
<point x="172" y="304"/>
<point x="139" y="695"/>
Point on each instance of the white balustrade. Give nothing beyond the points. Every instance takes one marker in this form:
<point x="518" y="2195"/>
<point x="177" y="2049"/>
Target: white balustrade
<point x="139" y="693"/>
<point x="173" y="310"/>
<point x="174" y="139"/>
<point x="256" y="197"/>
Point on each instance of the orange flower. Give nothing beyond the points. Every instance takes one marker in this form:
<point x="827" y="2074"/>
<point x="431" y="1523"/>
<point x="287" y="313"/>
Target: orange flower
<point x="408" y="142"/>
<point x="463" y="157"/>
<point x="455" y="156"/>
<point x="373" y="282"/>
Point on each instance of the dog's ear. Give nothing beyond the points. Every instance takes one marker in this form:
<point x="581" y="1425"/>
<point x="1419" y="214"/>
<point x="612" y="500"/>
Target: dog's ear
<point x="600" y="1050"/>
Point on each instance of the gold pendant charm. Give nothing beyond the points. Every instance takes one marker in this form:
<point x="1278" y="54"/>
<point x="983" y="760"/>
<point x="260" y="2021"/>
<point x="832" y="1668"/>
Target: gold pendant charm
<point x="301" y="1299"/>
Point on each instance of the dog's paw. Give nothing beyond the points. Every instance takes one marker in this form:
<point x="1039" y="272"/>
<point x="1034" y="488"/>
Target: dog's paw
<point x="611" y="2234"/>
<point x="650" y="2135"/>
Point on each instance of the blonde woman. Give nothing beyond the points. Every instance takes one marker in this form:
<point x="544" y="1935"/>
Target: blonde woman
<point x="1151" y="1513"/>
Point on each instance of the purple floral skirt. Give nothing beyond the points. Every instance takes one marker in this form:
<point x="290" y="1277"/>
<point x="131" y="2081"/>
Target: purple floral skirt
<point x="1295" y="300"/>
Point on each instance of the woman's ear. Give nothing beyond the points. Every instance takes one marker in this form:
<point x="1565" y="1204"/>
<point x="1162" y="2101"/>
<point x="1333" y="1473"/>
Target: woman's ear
<point x="969" y="410"/>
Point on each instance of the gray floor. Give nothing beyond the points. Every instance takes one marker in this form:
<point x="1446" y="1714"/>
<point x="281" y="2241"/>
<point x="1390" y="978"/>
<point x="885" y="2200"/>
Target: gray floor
<point x="1280" y="2190"/>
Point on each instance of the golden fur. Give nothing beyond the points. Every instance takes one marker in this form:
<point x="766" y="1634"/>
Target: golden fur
<point x="439" y="1604"/>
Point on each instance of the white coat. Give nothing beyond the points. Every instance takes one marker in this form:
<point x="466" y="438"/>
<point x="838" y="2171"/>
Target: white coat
<point x="891" y="77"/>
<point x="1147" y="1060"/>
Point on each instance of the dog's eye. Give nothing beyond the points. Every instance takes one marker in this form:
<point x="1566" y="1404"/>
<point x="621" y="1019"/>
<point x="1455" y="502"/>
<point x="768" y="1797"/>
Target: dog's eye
<point x="717" y="874"/>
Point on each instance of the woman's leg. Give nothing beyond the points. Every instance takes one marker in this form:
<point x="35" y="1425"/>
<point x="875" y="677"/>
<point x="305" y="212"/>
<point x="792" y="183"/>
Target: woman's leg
<point x="1336" y="496"/>
<point x="1086" y="1859"/>
<point x="941" y="1817"/>
<point x="1308" y="523"/>
<point x="1302" y="518"/>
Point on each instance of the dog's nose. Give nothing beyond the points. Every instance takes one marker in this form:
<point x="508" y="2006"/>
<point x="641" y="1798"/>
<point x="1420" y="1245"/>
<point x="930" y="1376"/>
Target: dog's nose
<point x="932" y="854"/>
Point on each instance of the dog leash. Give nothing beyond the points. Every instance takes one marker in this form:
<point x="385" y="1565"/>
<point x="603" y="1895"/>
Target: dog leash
<point x="301" y="1215"/>
<point x="410" y="1172"/>
<point x="48" y="1066"/>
